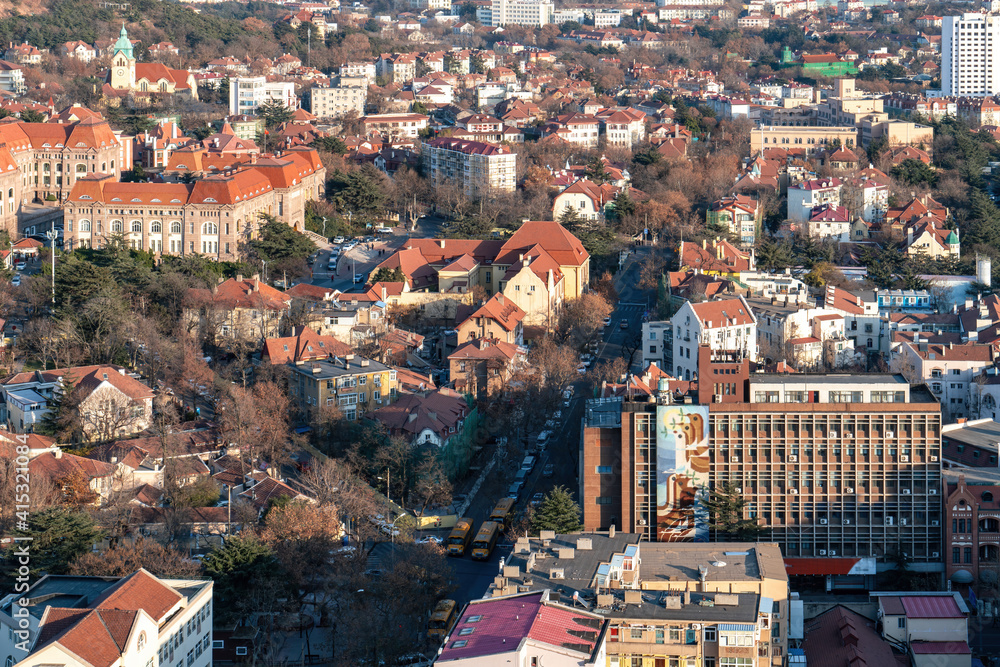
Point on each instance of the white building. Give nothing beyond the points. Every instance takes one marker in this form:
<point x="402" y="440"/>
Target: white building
<point x="479" y="167"/>
<point x="363" y="69"/>
<point x="655" y="341"/>
<point x="12" y="78"/>
<point x="246" y="93"/>
<point x="725" y="324"/>
<point x="565" y="14"/>
<point x="969" y="54"/>
<point x="520" y="12"/>
<point x="949" y="370"/>
<point x="80" y="621"/>
<point x="807" y="195"/>
<point x="349" y="94"/>
<point x="607" y="18"/>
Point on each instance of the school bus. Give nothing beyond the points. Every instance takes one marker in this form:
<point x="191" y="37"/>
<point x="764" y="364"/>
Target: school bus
<point x="503" y="512"/>
<point x="442" y="619"/>
<point x="460" y="537"/>
<point x="485" y="540"/>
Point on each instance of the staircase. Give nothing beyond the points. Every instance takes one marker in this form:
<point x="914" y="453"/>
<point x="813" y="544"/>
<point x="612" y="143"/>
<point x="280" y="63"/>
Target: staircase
<point x="320" y="240"/>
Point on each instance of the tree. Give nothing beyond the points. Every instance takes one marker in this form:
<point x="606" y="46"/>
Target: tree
<point x="247" y="576"/>
<point x="256" y="421"/>
<point x="274" y="113"/>
<point x="624" y="205"/>
<point x="580" y="318"/>
<point x="558" y="512"/>
<point x="727" y="515"/>
<point x="127" y="557"/>
<point x="914" y="172"/>
<point x="362" y="191"/>
<point x="277" y="243"/>
<point x="432" y="486"/>
<point x="202" y="493"/>
<point x="387" y="275"/>
<point x="32" y="116"/>
<point x="62" y="420"/>
<point x="596" y="173"/>
<point x="59" y="535"/>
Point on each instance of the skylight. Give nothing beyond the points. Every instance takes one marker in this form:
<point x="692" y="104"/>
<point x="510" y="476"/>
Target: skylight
<point x="461" y="643"/>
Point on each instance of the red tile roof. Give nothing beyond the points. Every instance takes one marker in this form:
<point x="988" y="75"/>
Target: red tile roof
<point x="306" y="345"/>
<point x="141" y="590"/>
<point x="246" y="293"/>
<point x="552" y="237"/>
<point x="501" y="310"/>
<point x="841" y="637"/>
<point x="931" y="606"/>
<point x="724" y="313"/>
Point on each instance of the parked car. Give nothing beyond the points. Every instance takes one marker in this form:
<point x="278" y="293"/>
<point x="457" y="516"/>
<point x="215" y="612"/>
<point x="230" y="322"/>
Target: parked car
<point x="557" y="414"/>
<point x="338" y="239"/>
<point x="528" y="463"/>
<point x="548" y="470"/>
<point x="21" y="265"/>
<point x="16" y="280"/>
<point x="607" y="320"/>
<point x="537" y="499"/>
<point x="623" y="324"/>
<point x="430" y="539"/>
<point x="358" y="278"/>
<point x="384" y="230"/>
<point x="514" y="490"/>
<point x="543" y="438"/>
<point x="581" y="369"/>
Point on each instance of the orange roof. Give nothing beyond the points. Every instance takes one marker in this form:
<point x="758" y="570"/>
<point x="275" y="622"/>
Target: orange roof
<point x="243" y="293"/>
<point x="140" y="590"/>
<point x="548" y="235"/>
<point x="306" y="345"/>
<point x="724" y="313"/>
<point x="501" y="310"/>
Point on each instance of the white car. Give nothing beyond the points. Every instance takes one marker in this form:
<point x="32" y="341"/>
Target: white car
<point x="384" y="230"/>
<point x="16" y="280"/>
<point x="581" y="369"/>
<point x="557" y="414"/>
<point x="430" y="539"/>
<point x="21" y="266"/>
<point x="607" y="320"/>
<point x="338" y="239"/>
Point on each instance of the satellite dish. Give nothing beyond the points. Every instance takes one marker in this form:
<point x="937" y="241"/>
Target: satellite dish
<point x="718" y="563"/>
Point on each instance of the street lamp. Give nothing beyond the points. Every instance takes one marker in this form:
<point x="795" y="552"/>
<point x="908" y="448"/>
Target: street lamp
<point x="324" y="225"/>
<point x="52" y="234"/>
<point x="386" y="480"/>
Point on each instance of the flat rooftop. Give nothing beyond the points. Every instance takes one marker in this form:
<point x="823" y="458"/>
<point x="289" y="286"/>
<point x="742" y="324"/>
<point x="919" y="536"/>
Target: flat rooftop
<point x="721" y="561"/>
<point x="604" y="412"/>
<point x="983" y="433"/>
<point x="828" y="378"/>
<point x="61" y="591"/>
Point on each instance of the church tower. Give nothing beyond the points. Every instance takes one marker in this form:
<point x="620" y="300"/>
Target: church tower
<point x="122" y="63"/>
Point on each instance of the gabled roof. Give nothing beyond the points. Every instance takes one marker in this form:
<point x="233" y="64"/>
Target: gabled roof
<point x="501" y="310"/>
<point x="243" y="293"/>
<point x="305" y="345"/>
<point x="58" y="467"/>
<point x="552" y="237"/>
<point x="141" y="590"/>
<point x="97" y="637"/>
<point x="484" y="348"/>
<point x="724" y="313"/>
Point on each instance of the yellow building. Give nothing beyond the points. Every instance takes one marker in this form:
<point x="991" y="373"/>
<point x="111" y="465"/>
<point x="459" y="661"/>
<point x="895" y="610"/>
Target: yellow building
<point x="144" y="80"/>
<point x="352" y="384"/>
<point x="806" y="139"/>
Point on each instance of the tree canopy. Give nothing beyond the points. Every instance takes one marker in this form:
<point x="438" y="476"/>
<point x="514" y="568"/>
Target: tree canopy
<point x="558" y="512"/>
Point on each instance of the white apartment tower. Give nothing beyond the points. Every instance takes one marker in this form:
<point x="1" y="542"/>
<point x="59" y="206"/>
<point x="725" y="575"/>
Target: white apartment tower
<point x="969" y="48"/>
<point x="521" y="12"/>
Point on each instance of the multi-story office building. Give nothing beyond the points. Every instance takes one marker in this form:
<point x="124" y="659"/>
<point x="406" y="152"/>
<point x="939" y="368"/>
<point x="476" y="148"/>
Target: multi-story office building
<point x="724" y="324"/>
<point x="129" y="622"/>
<point x="968" y="55"/>
<point x="479" y="168"/>
<point x="246" y="93"/>
<point x="352" y="384"/>
<point x="335" y="101"/>
<point x="842" y="467"/>
<point x="684" y="605"/>
<point x="517" y="12"/>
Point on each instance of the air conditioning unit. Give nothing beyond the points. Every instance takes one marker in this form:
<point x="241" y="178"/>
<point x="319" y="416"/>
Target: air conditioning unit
<point x="888" y="521"/>
<point x="906" y="492"/>
<point x="738" y="489"/>
<point x="932" y="492"/>
<point x="933" y="458"/>
<point x="696" y="626"/>
<point x="849" y="489"/>
<point x="794" y="492"/>
<point x="904" y="458"/>
<point x="935" y="522"/>
<point x="833" y="552"/>
<point x="833" y="434"/>
<point x="890" y="434"/>
<point x="935" y="554"/>
<point x="902" y="522"/>
<point x="823" y="522"/>
<point x="847" y="522"/>
<point x="718" y="398"/>
<point x="734" y="459"/>
<point x="775" y="640"/>
<point x="822" y="552"/>
<point x="848" y="435"/>
<point x="793" y="458"/>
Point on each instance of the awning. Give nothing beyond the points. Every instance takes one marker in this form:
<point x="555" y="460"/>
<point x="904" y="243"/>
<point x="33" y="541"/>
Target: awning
<point x="962" y="577"/>
<point x="825" y="566"/>
<point x="736" y="627"/>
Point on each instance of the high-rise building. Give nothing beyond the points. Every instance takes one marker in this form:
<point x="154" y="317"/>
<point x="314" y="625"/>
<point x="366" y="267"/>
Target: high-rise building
<point x="842" y="470"/>
<point x="246" y="93"/>
<point x="518" y="12"/>
<point x="477" y="167"/>
<point x="968" y="53"/>
<point x="335" y="101"/>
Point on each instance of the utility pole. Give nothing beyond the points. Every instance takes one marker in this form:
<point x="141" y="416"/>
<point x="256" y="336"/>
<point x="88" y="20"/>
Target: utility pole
<point x="52" y="234"/>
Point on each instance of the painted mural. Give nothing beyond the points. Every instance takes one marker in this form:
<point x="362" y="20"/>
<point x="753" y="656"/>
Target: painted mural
<point x="681" y="473"/>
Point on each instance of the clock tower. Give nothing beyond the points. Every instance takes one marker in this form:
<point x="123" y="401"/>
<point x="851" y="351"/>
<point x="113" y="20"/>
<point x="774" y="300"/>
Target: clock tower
<point x="122" y="63"/>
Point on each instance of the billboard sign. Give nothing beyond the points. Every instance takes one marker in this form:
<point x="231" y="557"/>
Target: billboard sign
<point x="681" y="473"/>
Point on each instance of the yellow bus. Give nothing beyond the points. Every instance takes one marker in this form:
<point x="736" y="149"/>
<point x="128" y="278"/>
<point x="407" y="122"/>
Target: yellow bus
<point x="442" y="619"/>
<point x="485" y="540"/>
<point x="503" y="512"/>
<point x="460" y="537"/>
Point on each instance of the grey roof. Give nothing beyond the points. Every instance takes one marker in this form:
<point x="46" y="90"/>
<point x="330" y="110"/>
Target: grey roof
<point x="973" y="476"/>
<point x="702" y="607"/>
<point x="578" y="571"/>
<point x="61" y="591"/>
<point x="604" y="412"/>
<point x="828" y="378"/>
<point x="339" y="366"/>
<point x="985" y="434"/>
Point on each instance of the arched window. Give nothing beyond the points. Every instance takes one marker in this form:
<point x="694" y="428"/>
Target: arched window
<point x="85" y="225"/>
<point x="81" y="168"/>
<point x="989" y="402"/>
<point x="175" y="227"/>
<point x="10" y="192"/>
<point x="987" y="498"/>
<point x="104" y="166"/>
<point x="116" y="226"/>
<point x="136" y="226"/>
<point x="10" y="661"/>
<point x="155" y="227"/>
<point x="209" y="228"/>
<point x="141" y="643"/>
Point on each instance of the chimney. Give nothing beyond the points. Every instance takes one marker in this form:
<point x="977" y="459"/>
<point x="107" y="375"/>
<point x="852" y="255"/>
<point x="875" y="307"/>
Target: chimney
<point x="909" y="236"/>
<point x="611" y="531"/>
<point x="441" y="243"/>
<point x="57" y="453"/>
<point x="239" y="277"/>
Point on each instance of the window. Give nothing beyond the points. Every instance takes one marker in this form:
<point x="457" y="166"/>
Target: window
<point x="956" y="555"/>
<point x="156" y="227"/>
<point x="175" y="227"/>
<point x="209" y="228"/>
<point x="116" y="226"/>
<point x="241" y="650"/>
<point x="901" y="622"/>
<point x="710" y="635"/>
<point x="636" y="633"/>
<point x="968" y="555"/>
<point x="141" y="643"/>
<point x="474" y="619"/>
<point x="460" y="643"/>
<point x="603" y="500"/>
<point x="85" y="225"/>
<point x="603" y="470"/>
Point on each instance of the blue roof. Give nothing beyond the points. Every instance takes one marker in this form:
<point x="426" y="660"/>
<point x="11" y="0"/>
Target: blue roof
<point x="737" y="627"/>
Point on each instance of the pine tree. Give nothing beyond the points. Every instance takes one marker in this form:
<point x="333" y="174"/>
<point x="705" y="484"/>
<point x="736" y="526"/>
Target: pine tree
<point x="59" y="535"/>
<point x="728" y="517"/>
<point x="558" y="512"/>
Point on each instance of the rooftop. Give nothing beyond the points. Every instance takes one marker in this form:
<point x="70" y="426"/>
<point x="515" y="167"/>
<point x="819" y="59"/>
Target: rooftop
<point x="339" y="366"/>
<point x="978" y="433"/>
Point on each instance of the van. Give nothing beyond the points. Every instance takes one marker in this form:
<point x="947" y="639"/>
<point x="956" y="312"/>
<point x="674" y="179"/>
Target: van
<point x="543" y="438"/>
<point x="514" y="491"/>
<point x="528" y="463"/>
<point x="521" y="475"/>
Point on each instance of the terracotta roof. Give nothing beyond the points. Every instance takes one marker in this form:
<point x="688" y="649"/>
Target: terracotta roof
<point x="721" y="256"/>
<point x="305" y="345"/>
<point x="440" y="411"/>
<point x="555" y="239"/>
<point x="840" y="637"/>
<point x="501" y="310"/>
<point x="97" y="637"/>
<point x="483" y="348"/>
<point x="724" y="313"/>
<point x="140" y="590"/>
<point x="62" y="466"/>
<point x="246" y="293"/>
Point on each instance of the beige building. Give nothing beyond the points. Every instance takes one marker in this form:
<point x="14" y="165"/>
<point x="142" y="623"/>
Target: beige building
<point x="236" y="310"/>
<point x="349" y="94"/>
<point x="353" y="385"/>
<point x="847" y="106"/>
<point x="211" y="216"/>
<point x="396" y="125"/>
<point x="808" y="139"/>
<point x="478" y="167"/>
<point x="896" y="132"/>
<point x="681" y="604"/>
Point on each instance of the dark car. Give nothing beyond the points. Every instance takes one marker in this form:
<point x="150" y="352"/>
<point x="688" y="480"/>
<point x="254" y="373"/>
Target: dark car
<point x="623" y="324"/>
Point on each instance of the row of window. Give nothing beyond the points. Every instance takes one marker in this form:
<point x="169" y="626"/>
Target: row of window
<point x="155" y="227"/>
